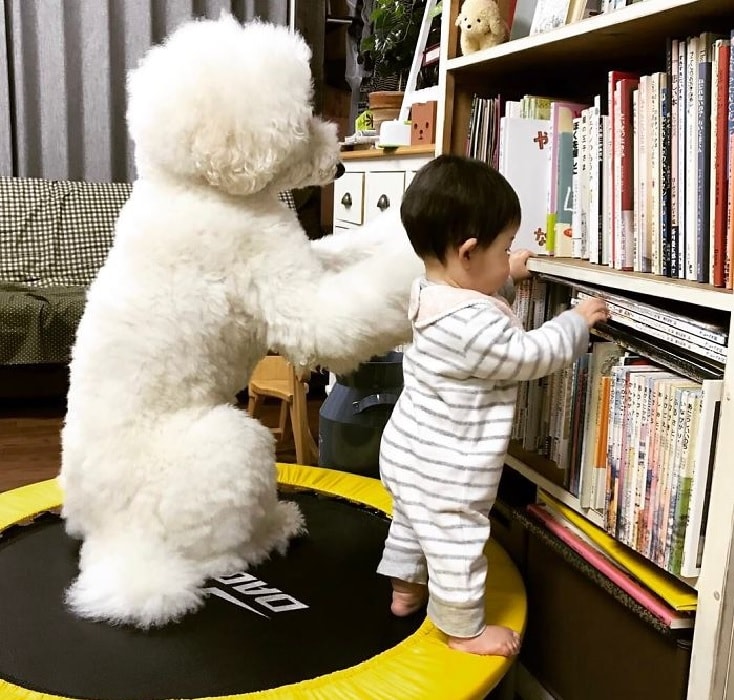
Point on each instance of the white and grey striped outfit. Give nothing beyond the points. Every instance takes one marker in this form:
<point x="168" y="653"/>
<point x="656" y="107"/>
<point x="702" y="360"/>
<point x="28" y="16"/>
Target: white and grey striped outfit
<point x="443" y="449"/>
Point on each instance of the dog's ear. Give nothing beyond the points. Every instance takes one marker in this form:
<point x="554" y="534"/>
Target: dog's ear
<point x="242" y="161"/>
<point x="314" y="165"/>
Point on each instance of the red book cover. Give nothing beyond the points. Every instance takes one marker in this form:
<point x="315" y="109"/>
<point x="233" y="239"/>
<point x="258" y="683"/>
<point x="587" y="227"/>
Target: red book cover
<point x="511" y="7"/>
<point x="635" y="590"/>
<point x="729" y="258"/>
<point x="614" y="77"/>
<point x="722" y="172"/>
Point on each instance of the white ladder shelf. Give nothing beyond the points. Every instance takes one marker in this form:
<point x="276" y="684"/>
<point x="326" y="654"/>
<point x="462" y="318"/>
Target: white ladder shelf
<point x="411" y="95"/>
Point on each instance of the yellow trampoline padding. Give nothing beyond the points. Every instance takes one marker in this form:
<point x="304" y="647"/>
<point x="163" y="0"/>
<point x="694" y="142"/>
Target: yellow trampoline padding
<point x="26" y="502"/>
<point x="421" y="667"/>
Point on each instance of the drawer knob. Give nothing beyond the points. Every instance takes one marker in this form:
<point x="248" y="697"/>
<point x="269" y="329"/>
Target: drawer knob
<point x="347" y="200"/>
<point x="383" y="202"/>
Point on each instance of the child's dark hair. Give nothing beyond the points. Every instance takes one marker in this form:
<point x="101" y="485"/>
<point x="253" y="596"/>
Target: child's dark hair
<point x="454" y="198"/>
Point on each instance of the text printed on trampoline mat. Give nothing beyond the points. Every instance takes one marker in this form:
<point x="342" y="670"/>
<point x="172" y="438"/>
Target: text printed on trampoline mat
<point x="258" y="593"/>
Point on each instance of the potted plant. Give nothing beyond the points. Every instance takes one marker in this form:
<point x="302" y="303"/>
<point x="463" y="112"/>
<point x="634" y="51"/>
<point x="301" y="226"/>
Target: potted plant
<point x="388" y="50"/>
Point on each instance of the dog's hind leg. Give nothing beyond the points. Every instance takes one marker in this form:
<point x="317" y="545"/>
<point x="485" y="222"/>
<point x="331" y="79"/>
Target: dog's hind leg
<point x="224" y="505"/>
<point x="127" y="577"/>
<point x="206" y="505"/>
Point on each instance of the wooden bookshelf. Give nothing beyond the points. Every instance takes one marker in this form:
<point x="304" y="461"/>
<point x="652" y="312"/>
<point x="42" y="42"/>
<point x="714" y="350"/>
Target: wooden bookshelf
<point x="572" y="62"/>
<point x="639" y="282"/>
<point x="605" y="37"/>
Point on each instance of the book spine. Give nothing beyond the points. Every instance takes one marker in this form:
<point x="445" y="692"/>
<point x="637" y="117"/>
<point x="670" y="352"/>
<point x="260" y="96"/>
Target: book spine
<point x="719" y="165"/>
<point x="673" y="167"/>
<point x="691" y="156"/>
<point x="654" y="193"/>
<point x="682" y="157"/>
<point x="576" y="224"/>
<point x="704" y="169"/>
<point x="626" y="185"/>
<point x="665" y="229"/>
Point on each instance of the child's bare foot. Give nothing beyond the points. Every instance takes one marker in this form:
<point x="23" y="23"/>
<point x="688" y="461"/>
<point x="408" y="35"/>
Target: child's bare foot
<point x="493" y="641"/>
<point x="407" y="597"/>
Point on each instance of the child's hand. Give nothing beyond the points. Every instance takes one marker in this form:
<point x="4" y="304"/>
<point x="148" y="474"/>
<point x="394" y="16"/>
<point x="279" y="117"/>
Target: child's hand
<point x="593" y="310"/>
<point x="519" y="265"/>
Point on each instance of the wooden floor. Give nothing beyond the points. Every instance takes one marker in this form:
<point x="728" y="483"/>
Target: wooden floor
<point x="30" y="444"/>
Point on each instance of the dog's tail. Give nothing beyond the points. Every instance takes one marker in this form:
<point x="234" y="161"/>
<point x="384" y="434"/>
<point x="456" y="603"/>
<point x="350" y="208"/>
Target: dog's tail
<point x="128" y="580"/>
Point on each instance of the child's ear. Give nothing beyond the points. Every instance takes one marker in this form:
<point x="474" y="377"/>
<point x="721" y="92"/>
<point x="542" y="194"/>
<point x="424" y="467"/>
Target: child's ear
<point x="466" y="249"/>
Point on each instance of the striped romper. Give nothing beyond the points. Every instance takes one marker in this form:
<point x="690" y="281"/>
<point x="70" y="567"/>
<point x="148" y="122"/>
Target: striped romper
<point x="443" y="449"/>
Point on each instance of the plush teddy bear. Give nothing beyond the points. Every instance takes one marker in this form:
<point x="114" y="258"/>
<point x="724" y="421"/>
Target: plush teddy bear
<point x="481" y="25"/>
<point x="165" y="480"/>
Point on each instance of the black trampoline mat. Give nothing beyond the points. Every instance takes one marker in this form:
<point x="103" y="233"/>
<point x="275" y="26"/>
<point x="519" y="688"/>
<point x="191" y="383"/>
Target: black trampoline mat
<point x="223" y="648"/>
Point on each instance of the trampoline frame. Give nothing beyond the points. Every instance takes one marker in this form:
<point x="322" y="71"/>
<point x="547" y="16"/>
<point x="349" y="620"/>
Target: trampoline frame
<point x="421" y="667"/>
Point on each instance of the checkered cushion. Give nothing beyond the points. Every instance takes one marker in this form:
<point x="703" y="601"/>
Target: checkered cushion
<point x="56" y="233"/>
<point x="287" y="199"/>
<point x="37" y="326"/>
<point x="54" y="237"/>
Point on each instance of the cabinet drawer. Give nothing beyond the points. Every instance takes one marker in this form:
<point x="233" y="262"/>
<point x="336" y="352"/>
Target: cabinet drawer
<point x="383" y="192"/>
<point x="340" y="226"/>
<point x="409" y="175"/>
<point x="349" y="198"/>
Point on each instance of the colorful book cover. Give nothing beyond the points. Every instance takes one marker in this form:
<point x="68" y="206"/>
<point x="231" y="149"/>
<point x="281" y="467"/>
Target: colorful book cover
<point x="560" y="113"/>
<point x="600" y="562"/>
<point x="674" y="592"/>
<point x="525" y="165"/>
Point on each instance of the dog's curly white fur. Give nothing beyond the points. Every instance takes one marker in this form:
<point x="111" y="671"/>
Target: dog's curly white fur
<point x="166" y="481"/>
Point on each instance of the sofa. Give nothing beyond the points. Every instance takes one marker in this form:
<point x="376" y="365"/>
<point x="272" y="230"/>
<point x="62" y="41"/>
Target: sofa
<point x="54" y="237"/>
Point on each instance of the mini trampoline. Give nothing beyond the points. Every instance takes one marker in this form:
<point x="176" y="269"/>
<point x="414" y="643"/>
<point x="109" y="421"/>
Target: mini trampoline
<point x="313" y="625"/>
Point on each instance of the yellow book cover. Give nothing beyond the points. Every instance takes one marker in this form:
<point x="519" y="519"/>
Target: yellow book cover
<point x="550" y="228"/>
<point x="600" y="453"/>
<point x="674" y="592"/>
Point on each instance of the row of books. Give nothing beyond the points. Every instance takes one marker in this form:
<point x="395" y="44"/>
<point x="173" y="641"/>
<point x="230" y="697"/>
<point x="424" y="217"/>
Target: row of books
<point x="531" y="17"/>
<point x="630" y="438"/>
<point x="703" y="342"/>
<point x="639" y="179"/>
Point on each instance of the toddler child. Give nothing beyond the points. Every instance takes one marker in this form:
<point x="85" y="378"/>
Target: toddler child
<point x="443" y="449"/>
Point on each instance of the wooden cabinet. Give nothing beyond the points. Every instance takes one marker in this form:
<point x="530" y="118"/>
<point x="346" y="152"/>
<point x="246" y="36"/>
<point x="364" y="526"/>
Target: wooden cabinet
<point x="349" y="200"/>
<point x="374" y="183"/>
<point x="383" y="192"/>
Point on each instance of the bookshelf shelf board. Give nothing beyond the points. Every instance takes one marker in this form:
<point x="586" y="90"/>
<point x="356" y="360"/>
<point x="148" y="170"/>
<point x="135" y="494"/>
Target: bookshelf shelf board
<point x="639" y="282"/>
<point x="606" y="36"/>
<point x="386" y="153"/>
<point x="560" y="494"/>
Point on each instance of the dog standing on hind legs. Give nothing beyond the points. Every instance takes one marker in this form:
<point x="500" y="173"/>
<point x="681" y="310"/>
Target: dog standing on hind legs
<point x="165" y="481"/>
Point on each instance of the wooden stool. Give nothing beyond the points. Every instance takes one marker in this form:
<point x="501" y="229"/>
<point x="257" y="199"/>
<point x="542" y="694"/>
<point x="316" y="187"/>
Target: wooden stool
<point x="274" y="376"/>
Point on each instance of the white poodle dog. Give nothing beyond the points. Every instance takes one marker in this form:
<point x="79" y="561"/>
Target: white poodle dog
<point x="166" y="482"/>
